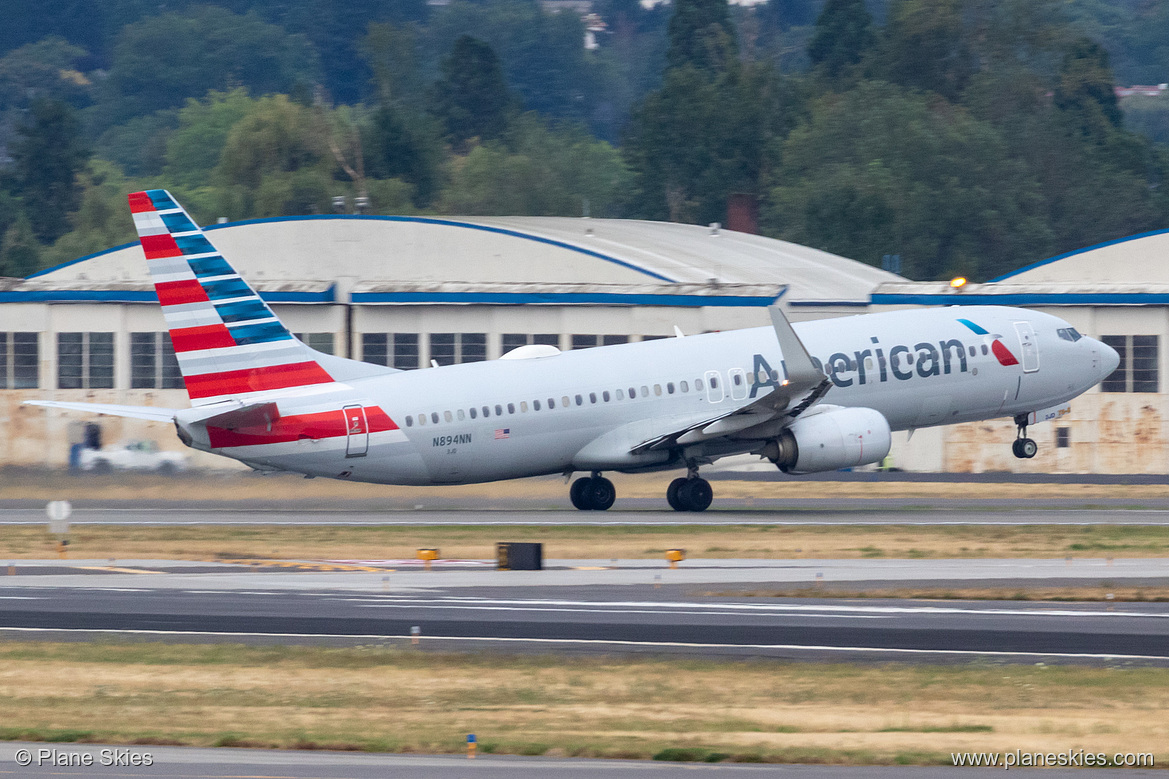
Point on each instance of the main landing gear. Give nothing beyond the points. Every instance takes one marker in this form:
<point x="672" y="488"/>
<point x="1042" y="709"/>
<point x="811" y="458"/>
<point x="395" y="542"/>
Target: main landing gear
<point x="690" y="494"/>
<point x="1023" y="447"/>
<point x="592" y="493"/>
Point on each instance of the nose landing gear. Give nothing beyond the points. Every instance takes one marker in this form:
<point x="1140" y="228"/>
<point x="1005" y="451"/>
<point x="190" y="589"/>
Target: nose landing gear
<point x="592" y="493"/>
<point x="1023" y="447"/>
<point x="690" y="494"/>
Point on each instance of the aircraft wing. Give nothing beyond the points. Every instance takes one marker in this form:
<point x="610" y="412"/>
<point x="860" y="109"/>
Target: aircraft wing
<point x="152" y="413"/>
<point x="803" y="387"/>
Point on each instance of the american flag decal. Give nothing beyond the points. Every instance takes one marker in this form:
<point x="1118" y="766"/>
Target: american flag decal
<point x="504" y="433"/>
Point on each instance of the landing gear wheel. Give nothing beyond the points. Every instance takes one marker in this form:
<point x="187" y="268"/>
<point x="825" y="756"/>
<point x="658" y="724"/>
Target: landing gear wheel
<point x="689" y="494"/>
<point x="576" y="494"/>
<point x="594" y="493"/>
<point x="1016" y="448"/>
<point x="672" y="495"/>
<point x="1028" y="448"/>
<point x="600" y="493"/>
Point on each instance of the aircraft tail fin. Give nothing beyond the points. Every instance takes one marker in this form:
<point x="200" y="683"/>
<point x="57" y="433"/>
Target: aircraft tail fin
<point x="228" y="342"/>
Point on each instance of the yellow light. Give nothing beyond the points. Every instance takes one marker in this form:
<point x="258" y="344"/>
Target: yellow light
<point x="958" y="283"/>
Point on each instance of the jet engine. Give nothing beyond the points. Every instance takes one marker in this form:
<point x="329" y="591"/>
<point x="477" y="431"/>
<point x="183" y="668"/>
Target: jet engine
<point x="829" y="440"/>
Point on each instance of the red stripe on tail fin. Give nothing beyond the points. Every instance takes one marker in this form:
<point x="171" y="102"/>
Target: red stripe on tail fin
<point x="209" y="385"/>
<point x="192" y="339"/>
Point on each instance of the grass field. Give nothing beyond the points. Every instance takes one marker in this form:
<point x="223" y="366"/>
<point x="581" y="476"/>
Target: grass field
<point x="223" y="542"/>
<point x="401" y="699"/>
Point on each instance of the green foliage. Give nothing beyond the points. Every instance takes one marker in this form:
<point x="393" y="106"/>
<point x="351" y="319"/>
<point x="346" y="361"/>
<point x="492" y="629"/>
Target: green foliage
<point x="1084" y="90"/>
<point x="102" y="219"/>
<point x="138" y="145"/>
<point x="161" y="61"/>
<point x="701" y="36"/>
<point x="538" y="171"/>
<point x="879" y="170"/>
<point x="925" y="46"/>
<point x="43" y="69"/>
<point x="844" y="35"/>
<point x="471" y="98"/>
<point x="192" y="150"/>
<point x="403" y="144"/>
<point x="1148" y="116"/>
<point x="47" y="155"/>
<point x="19" y="251"/>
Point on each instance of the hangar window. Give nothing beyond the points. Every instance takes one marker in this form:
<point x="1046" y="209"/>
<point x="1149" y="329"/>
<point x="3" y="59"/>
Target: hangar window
<point x="653" y="337"/>
<point x="452" y="348"/>
<point x="585" y="341"/>
<point x="85" y="360"/>
<point x="394" y="350"/>
<point x="516" y="340"/>
<point x="153" y="364"/>
<point x="1063" y="437"/>
<point x="613" y="340"/>
<point x="322" y="342"/>
<point x="20" y="360"/>
<point x="1138" y="368"/>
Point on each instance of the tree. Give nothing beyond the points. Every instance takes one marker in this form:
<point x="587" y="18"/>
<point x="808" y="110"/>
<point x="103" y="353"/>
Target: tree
<point x="402" y="144"/>
<point x="161" y="61"/>
<point x="880" y="170"/>
<point x="1085" y="93"/>
<point x="48" y="155"/>
<point x="925" y="46"/>
<point x="471" y="98"/>
<point x="19" y="251"/>
<point x="701" y="36"/>
<point x="193" y="149"/>
<point x="42" y="69"/>
<point x="842" y="38"/>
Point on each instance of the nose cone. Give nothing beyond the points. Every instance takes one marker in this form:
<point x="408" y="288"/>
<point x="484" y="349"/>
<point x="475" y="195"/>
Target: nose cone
<point x="1109" y="359"/>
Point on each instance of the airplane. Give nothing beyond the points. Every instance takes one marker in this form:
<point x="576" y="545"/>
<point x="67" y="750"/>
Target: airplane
<point x="818" y="396"/>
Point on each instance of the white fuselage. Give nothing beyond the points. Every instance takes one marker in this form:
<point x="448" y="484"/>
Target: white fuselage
<point x="584" y="410"/>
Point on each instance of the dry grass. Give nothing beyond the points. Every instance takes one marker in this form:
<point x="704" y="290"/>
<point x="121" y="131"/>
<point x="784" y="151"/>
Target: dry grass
<point x="1104" y="592"/>
<point x="323" y="542"/>
<point x="405" y="700"/>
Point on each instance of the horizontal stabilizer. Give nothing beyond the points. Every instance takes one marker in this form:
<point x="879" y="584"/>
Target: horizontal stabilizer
<point x="152" y="413"/>
<point x="250" y="415"/>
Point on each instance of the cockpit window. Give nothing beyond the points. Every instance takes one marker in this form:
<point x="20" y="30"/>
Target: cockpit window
<point x="1069" y="334"/>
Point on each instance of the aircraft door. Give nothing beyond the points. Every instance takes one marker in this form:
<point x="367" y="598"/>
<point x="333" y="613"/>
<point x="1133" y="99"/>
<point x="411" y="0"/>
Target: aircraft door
<point x="356" y="431"/>
<point x="714" y="387"/>
<point x="1028" y="346"/>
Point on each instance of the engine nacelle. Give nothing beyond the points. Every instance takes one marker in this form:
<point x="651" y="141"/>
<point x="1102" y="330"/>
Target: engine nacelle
<point x="831" y="440"/>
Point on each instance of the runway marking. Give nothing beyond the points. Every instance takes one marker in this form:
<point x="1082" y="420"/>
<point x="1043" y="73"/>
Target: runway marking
<point x="611" y="642"/>
<point x="113" y="569"/>
<point x="729" y="608"/>
<point x="598" y="611"/>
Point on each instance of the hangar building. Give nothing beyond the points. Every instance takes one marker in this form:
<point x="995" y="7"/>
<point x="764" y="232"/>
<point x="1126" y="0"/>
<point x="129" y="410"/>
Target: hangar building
<point x="398" y="291"/>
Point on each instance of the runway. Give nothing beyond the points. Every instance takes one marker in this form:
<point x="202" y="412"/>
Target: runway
<point x="596" y="606"/>
<point x="905" y="511"/>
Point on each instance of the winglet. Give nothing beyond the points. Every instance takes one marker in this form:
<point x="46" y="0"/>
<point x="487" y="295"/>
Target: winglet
<point x="800" y="368"/>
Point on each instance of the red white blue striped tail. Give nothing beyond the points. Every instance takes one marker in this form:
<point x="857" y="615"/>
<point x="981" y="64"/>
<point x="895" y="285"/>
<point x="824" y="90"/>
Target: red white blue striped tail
<point x="228" y="342"/>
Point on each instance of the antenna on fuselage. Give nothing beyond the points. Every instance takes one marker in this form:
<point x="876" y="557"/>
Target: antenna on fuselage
<point x="678" y="332"/>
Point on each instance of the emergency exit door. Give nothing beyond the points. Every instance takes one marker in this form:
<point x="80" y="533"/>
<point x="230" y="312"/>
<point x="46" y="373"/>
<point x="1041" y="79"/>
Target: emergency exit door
<point x="356" y="431"/>
<point x="1028" y="346"/>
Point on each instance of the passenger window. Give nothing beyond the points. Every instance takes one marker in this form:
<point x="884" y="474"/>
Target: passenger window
<point x="447" y="416"/>
<point x="498" y="410"/>
<point x="632" y="393"/>
<point x="536" y="405"/>
<point x="973" y="351"/>
<point x="714" y="382"/>
<point x="658" y="390"/>
<point x="523" y="406"/>
<point x="592" y="397"/>
<point x="670" y="387"/>
<point x="579" y="400"/>
<point x="698" y="385"/>
<point x="564" y="401"/>
<point x="909" y="358"/>
<point x="605" y="396"/>
<point x="775" y="375"/>
<point x="644" y="391"/>
<point x="551" y="403"/>
<point x="434" y="417"/>
<point x="462" y="415"/>
<point x="511" y="408"/>
<point x="409" y="421"/>
<point x="620" y="394"/>
<point x="738" y="378"/>
<point x="684" y="386"/>
<point x="984" y="350"/>
<point x="486" y="411"/>
<point x="421" y="419"/>
<point x="473" y="414"/>
<point x="868" y="367"/>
